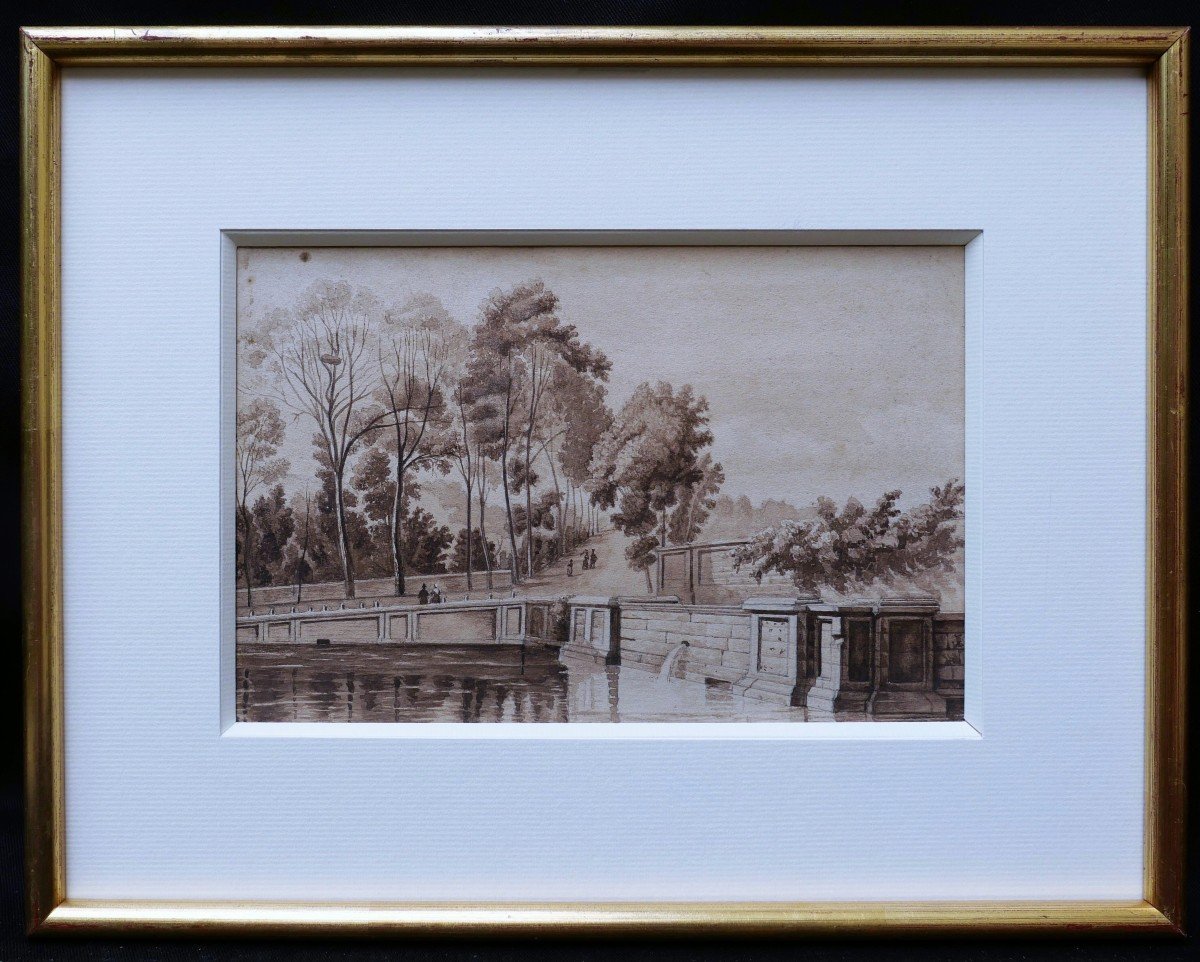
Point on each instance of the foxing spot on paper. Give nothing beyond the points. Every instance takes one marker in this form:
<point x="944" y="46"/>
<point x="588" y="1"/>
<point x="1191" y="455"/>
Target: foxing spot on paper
<point x="599" y="484"/>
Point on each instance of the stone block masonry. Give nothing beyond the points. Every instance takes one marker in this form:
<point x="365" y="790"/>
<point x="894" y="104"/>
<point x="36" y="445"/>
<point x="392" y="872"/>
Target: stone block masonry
<point x="718" y="639"/>
<point x="503" y="622"/>
<point x="705" y="574"/>
<point x="949" y="658"/>
<point x="898" y="658"/>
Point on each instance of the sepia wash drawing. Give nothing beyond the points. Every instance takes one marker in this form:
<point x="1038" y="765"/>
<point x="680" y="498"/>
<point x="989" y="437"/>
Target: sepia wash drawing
<point x="599" y="484"/>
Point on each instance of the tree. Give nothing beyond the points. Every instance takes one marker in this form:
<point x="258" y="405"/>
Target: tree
<point x="481" y="487"/>
<point x="423" y="539"/>
<point x="519" y="345"/>
<point x="273" y="527"/>
<point x="296" y="567"/>
<point x="851" y="549"/>
<point x="649" y="454"/>
<point x="578" y="419"/>
<point x="426" y="540"/>
<point x="259" y="435"/>
<point x="469" y="545"/>
<point x="491" y="397"/>
<point x="695" y="501"/>
<point x="375" y="490"/>
<point x="323" y="553"/>
<point x="419" y="341"/>
<point x="469" y="458"/>
<point x="322" y="366"/>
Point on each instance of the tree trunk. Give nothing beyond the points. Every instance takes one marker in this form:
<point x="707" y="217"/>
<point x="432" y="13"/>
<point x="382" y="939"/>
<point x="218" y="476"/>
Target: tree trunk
<point x="487" y="555"/>
<point x="564" y="512"/>
<point x="299" y="579"/>
<point x="469" y="557"/>
<point x="649" y="582"/>
<point x="397" y="531"/>
<point x="560" y="511"/>
<point x="343" y="537"/>
<point x="303" y="550"/>
<point x="246" y="553"/>
<point x="528" y="506"/>
<point x="512" y="531"/>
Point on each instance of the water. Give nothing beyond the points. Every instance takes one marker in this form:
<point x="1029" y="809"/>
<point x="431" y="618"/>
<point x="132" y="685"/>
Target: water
<point x="447" y="683"/>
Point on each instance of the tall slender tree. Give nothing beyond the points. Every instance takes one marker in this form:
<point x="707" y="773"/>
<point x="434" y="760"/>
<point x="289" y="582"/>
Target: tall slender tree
<point x="296" y="565"/>
<point x="260" y="432"/>
<point x="519" y="345"/>
<point x="466" y="459"/>
<point x="581" y="408"/>
<point x="481" y="488"/>
<point x="416" y="352"/>
<point x="324" y="367"/>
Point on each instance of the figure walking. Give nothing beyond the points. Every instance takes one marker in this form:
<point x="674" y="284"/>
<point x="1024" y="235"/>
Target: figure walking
<point x="585" y="561"/>
<point x="592" y="560"/>
<point x="423" y="596"/>
<point x="570" y="567"/>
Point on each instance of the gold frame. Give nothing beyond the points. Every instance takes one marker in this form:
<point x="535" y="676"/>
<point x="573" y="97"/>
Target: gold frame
<point x="1162" y="53"/>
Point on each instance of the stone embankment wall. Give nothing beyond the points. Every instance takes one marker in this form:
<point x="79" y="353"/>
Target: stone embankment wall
<point x="481" y="622"/>
<point x="949" y="650"/>
<point x="898" y="658"/>
<point x="373" y="588"/>
<point x="718" y="638"/>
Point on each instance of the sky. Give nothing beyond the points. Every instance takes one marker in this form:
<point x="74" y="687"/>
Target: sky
<point x="835" y="371"/>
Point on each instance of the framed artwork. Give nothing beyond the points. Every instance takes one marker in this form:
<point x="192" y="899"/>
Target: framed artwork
<point x="756" y="455"/>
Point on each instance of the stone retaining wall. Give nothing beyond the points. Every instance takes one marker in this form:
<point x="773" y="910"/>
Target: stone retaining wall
<point x="373" y="588"/>
<point x="898" y="658"/>
<point x="480" y="622"/>
<point x="949" y="649"/>
<point x="718" y="639"/>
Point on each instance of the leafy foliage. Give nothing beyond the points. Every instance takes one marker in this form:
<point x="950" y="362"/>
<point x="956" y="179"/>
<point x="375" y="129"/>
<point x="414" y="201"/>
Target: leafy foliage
<point x="273" y="526"/>
<point x="458" y="559"/>
<point x="852" y="548"/>
<point x="694" y="502"/>
<point x="647" y="459"/>
<point x="426" y="542"/>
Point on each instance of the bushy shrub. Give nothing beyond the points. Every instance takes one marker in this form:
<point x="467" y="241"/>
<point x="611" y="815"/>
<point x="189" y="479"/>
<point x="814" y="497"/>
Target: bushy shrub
<point x="854" y="548"/>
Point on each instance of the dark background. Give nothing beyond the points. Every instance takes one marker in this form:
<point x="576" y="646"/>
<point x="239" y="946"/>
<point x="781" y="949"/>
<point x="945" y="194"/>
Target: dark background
<point x="13" y="945"/>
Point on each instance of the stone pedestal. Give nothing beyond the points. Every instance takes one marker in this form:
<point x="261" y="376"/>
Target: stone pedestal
<point x="778" y="641"/>
<point x="595" y="631"/>
<point x="825" y="627"/>
<point x="903" y="666"/>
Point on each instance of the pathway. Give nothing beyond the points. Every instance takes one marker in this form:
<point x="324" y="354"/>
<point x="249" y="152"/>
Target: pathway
<point x="611" y="576"/>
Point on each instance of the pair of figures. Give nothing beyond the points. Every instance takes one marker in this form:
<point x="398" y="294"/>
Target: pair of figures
<point x="589" y="562"/>
<point x="426" y="597"/>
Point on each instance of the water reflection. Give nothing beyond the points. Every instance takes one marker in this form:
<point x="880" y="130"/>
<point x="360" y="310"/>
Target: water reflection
<point x="445" y="683"/>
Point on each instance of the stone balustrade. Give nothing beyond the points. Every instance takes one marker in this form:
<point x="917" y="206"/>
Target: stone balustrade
<point x="509" y="621"/>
